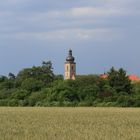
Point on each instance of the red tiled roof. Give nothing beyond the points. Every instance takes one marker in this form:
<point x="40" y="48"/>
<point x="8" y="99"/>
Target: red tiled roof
<point x="131" y="77"/>
<point x="104" y="76"/>
<point x="134" y="77"/>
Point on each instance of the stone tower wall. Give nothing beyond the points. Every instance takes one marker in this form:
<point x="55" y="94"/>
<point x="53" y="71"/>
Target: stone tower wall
<point x="70" y="70"/>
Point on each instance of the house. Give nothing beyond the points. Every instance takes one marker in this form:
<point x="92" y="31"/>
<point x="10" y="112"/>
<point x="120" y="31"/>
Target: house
<point x="132" y="77"/>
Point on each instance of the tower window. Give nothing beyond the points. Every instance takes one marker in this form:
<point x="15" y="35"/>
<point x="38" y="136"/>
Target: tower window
<point x="72" y="67"/>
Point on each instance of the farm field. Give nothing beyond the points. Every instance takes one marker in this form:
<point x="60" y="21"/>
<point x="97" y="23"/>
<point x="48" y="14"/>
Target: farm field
<point x="40" y="123"/>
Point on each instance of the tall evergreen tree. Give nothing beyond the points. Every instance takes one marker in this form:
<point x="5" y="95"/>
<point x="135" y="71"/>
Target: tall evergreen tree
<point x="119" y="80"/>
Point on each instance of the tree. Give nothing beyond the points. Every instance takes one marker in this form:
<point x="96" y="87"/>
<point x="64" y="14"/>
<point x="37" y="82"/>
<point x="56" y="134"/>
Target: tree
<point x="47" y="69"/>
<point x="19" y="94"/>
<point x="31" y="85"/>
<point x="119" y="80"/>
<point x="3" y="78"/>
<point x="42" y="73"/>
<point x="7" y="84"/>
<point x="58" y="77"/>
<point x="87" y="92"/>
<point x="34" y="98"/>
<point x="11" y="76"/>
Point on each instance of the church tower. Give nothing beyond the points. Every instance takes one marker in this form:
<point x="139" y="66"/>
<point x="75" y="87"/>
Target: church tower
<point x="70" y="67"/>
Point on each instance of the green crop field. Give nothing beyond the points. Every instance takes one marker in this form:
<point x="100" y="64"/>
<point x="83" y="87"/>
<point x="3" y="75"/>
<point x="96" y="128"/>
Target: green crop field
<point x="69" y="123"/>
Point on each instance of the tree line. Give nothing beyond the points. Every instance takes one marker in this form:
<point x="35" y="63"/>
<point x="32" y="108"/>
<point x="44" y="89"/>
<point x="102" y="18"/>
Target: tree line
<point x="39" y="86"/>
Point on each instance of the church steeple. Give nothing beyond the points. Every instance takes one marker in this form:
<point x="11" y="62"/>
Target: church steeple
<point x="70" y="66"/>
<point x="70" y="58"/>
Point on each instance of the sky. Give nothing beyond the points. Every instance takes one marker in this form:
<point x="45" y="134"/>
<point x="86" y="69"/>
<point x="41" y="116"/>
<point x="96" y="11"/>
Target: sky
<point x="101" y="33"/>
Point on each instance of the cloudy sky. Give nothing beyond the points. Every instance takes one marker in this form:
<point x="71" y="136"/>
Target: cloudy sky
<point x="101" y="33"/>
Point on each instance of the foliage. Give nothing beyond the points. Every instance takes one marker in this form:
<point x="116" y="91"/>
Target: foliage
<point x="32" y="85"/>
<point x="119" y="80"/>
<point x="39" y="86"/>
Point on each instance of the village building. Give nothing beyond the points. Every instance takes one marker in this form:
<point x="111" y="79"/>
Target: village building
<point x="70" y="70"/>
<point x="132" y="77"/>
<point x="70" y="67"/>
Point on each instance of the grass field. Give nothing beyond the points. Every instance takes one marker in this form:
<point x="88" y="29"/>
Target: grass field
<point x="69" y="123"/>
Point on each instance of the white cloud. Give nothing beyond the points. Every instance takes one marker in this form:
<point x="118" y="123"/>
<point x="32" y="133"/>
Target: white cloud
<point x="62" y="24"/>
<point x="81" y="14"/>
<point x="109" y="9"/>
<point x="70" y="34"/>
<point x="84" y="12"/>
<point x="91" y="11"/>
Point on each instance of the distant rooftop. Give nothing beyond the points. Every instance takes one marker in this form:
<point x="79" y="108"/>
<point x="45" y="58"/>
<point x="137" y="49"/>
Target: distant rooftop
<point x="132" y="77"/>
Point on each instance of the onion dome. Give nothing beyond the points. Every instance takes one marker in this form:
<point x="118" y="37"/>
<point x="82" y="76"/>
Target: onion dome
<point x="70" y="58"/>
